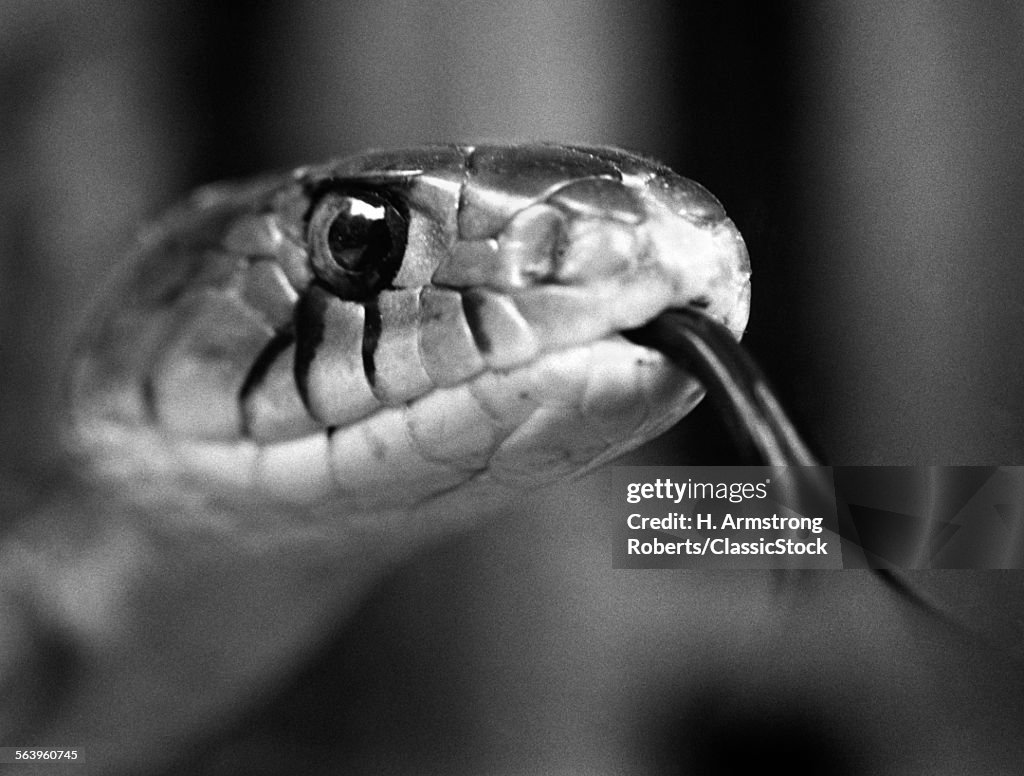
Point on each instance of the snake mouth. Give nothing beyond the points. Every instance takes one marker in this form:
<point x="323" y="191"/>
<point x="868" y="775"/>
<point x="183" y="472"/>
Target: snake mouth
<point x="708" y="350"/>
<point x="563" y="413"/>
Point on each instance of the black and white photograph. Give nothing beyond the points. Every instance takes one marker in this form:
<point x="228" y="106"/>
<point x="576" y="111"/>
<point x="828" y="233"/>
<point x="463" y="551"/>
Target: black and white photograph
<point x="508" y="389"/>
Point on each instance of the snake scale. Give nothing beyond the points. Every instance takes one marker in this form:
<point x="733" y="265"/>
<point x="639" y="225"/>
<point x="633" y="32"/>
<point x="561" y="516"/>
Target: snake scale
<point x="298" y="380"/>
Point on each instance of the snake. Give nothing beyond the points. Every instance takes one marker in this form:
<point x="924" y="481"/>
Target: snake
<point x="292" y="383"/>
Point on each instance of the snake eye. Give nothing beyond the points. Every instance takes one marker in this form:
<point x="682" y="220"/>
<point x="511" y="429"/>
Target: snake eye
<point x="357" y="239"/>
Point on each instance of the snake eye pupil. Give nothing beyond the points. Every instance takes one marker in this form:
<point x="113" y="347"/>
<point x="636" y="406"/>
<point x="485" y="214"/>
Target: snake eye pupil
<point x="358" y="235"/>
<point x="357" y="240"/>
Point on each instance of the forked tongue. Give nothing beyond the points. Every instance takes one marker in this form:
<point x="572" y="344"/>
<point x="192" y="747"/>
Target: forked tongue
<point x="762" y="431"/>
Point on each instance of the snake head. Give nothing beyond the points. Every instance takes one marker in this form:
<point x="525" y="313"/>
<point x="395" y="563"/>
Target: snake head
<point x="403" y="329"/>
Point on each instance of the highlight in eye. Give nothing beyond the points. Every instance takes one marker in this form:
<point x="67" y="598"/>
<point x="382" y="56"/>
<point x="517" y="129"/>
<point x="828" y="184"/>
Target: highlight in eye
<point x="357" y="240"/>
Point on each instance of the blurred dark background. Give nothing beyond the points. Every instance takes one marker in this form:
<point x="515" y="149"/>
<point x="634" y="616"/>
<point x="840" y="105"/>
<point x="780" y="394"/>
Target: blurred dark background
<point x="873" y="156"/>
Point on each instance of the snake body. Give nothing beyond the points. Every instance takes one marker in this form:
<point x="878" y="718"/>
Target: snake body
<point x="291" y="372"/>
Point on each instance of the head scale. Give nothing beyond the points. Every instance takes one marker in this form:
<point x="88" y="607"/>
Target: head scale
<point x="398" y="328"/>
